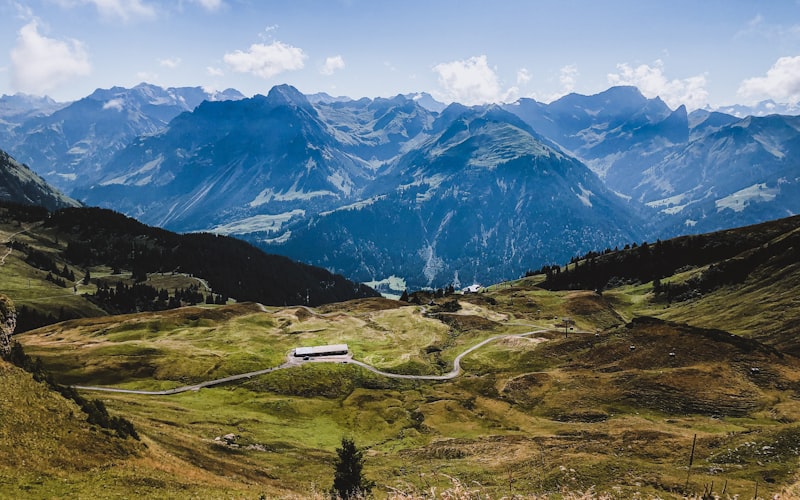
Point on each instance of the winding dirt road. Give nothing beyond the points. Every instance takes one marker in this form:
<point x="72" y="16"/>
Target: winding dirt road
<point x="292" y="361"/>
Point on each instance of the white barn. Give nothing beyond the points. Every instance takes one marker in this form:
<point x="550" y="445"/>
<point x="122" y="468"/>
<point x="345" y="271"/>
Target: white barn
<point x="472" y="289"/>
<point x="321" y="350"/>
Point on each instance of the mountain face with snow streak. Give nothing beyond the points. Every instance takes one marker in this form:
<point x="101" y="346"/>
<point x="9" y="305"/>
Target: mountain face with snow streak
<point x="743" y="172"/>
<point x="230" y="162"/>
<point x="71" y="145"/>
<point x="699" y="172"/>
<point x="368" y="188"/>
<point x="481" y="200"/>
<point x="404" y="185"/>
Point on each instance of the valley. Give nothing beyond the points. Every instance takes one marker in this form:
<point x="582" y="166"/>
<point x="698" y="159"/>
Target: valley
<point x="610" y="406"/>
<point x="590" y="364"/>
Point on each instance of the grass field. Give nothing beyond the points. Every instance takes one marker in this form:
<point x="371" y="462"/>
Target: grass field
<point x="532" y="414"/>
<point x="610" y="406"/>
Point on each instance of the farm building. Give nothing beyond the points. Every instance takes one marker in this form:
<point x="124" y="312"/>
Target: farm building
<point x="321" y="350"/>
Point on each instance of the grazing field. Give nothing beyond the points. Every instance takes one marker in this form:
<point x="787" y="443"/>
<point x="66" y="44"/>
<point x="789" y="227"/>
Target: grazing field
<point x="610" y="406"/>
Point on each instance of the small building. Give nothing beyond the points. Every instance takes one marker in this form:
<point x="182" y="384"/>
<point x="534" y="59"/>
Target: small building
<point x="472" y="289"/>
<point x="321" y="350"/>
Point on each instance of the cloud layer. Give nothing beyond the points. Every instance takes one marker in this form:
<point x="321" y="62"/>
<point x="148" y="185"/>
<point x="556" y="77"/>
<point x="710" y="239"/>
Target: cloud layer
<point x="781" y="83"/>
<point x="41" y="64"/>
<point x="332" y="64"/>
<point x="652" y="82"/>
<point x="266" y="61"/>
<point x="471" y="82"/>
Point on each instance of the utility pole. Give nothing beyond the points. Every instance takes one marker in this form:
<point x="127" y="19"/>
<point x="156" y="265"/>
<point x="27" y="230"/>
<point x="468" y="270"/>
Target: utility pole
<point x="567" y="322"/>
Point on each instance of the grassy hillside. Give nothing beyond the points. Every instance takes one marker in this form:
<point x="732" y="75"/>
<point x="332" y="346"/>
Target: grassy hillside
<point x="611" y="403"/>
<point x="45" y="260"/>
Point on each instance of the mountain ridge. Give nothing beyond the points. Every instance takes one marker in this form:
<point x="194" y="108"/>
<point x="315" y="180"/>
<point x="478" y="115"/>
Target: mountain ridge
<point x="268" y="168"/>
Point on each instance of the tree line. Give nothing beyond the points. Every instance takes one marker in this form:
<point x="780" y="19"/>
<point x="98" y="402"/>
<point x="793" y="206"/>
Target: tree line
<point x="730" y="256"/>
<point x="232" y="267"/>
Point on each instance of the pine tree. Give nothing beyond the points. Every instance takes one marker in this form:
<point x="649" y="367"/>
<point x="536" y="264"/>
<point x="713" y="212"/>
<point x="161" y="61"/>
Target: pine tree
<point x="348" y="481"/>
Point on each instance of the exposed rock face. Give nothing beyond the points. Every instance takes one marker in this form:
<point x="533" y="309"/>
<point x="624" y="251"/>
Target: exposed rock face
<point x="8" y="322"/>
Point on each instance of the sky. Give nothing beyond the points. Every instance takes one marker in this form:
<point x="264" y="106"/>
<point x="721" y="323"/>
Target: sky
<point x="700" y="53"/>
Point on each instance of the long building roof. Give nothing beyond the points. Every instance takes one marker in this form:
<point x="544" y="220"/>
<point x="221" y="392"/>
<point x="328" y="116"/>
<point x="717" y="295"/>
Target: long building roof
<point x="320" y="350"/>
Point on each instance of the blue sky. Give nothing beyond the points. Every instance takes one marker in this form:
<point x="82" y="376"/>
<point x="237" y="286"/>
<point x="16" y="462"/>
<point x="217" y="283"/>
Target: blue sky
<point x="698" y="53"/>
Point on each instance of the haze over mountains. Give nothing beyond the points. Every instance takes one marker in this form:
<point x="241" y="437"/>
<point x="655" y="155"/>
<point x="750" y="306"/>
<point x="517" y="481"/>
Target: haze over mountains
<point x="404" y="186"/>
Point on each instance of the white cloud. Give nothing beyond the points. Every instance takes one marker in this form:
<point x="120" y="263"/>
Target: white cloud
<point x="471" y="82"/>
<point x="652" y="82"/>
<point x="126" y="10"/>
<point x="332" y="64"/>
<point x="266" y="61"/>
<point x="171" y="62"/>
<point x="144" y="76"/>
<point x="115" y="104"/>
<point x="523" y="76"/>
<point x="40" y="64"/>
<point x="568" y="78"/>
<point x="781" y="83"/>
<point x="210" y="5"/>
<point x="214" y="71"/>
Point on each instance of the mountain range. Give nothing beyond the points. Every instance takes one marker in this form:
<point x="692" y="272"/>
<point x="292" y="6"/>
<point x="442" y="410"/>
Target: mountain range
<point x="69" y="144"/>
<point x="406" y="186"/>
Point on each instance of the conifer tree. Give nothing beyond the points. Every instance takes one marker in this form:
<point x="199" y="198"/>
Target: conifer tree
<point x="348" y="479"/>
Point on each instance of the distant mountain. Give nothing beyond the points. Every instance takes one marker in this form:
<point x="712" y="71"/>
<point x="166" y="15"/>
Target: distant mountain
<point x="70" y="146"/>
<point x="378" y="130"/>
<point x="19" y="184"/>
<point x="427" y="101"/>
<point x="16" y="109"/>
<point x="281" y="168"/>
<point x="701" y="171"/>
<point x="232" y="162"/>
<point x="616" y="133"/>
<point x="322" y="97"/>
<point x="331" y="183"/>
<point x="482" y="200"/>
<point x="19" y="106"/>
<point x="763" y="108"/>
<point x="743" y="172"/>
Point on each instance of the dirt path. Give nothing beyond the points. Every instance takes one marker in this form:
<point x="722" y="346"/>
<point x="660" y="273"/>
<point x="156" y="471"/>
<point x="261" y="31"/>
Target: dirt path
<point x="292" y="361"/>
<point x="9" y="239"/>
